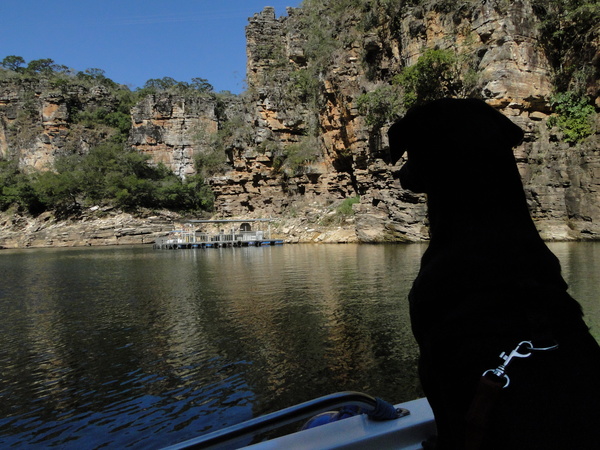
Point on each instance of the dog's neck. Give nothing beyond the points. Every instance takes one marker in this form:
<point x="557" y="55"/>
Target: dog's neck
<point x="489" y="208"/>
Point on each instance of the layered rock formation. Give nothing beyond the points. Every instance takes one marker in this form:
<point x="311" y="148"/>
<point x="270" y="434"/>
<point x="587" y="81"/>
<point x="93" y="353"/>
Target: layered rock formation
<point x="36" y="122"/>
<point x="172" y="129"/>
<point x="94" y="228"/>
<point x="296" y="142"/>
<point x="514" y="76"/>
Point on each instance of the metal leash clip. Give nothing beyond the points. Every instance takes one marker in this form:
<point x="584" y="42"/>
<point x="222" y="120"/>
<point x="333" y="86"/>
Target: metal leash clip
<point x="523" y="350"/>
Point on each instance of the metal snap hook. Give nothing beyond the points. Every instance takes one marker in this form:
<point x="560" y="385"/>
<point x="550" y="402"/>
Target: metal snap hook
<point x="523" y="350"/>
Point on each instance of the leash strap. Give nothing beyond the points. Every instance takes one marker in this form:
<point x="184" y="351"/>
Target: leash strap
<point x="479" y="414"/>
<point x="491" y="384"/>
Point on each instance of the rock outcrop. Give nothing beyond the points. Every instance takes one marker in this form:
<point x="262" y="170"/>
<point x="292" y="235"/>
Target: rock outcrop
<point x="173" y="129"/>
<point x="94" y="227"/>
<point x="297" y="144"/>
<point x="37" y="123"/>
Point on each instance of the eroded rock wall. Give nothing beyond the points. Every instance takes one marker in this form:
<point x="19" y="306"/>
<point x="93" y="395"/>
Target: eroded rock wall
<point x="513" y="76"/>
<point x="173" y="129"/>
<point x="36" y="121"/>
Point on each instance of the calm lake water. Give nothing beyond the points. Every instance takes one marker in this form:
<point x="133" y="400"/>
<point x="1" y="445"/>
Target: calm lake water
<point x="140" y="348"/>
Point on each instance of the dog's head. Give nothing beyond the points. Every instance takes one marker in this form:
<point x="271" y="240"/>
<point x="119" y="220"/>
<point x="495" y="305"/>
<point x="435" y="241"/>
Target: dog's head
<point x="449" y="141"/>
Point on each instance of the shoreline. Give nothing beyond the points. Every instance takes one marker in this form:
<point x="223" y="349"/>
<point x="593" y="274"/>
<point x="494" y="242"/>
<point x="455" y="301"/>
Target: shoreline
<point x="101" y="228"/>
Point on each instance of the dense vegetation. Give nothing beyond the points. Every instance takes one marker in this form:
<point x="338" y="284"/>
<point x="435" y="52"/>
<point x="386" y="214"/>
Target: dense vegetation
<point x="570" y="32"/>
<point x="110" y="173"/>
<point x="569" y="29"/>
<point x="107" y="175"/>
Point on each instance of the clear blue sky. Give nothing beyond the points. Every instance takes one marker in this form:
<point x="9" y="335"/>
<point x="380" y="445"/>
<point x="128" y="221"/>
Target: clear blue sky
<point x="135" y="40"/>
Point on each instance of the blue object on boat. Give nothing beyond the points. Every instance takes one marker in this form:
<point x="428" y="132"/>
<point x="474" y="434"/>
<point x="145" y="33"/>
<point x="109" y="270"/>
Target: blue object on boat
<point x="332" y="416"/>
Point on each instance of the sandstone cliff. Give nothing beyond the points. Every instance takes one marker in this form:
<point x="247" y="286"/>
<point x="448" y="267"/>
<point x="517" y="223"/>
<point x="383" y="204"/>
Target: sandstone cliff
<point x="297" y="143"/>
<point x="514" y="75"/>
<point x="171" y="129"/>
<point x="37" y="120"/>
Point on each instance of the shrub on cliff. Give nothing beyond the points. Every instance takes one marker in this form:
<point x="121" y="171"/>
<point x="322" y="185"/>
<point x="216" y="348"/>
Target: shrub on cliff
<point x="341" y="213"/>
<point x="381" y="105"/>
<point x="437" y="73"/>
<point x="293" y="158"/>
<point x="574" y="115"/>
<point x="570" y="34"/>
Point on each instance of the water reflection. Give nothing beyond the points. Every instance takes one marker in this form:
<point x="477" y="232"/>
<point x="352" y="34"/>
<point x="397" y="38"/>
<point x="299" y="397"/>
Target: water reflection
<point x="581" y="268"/>
<point x="134" y="347"/>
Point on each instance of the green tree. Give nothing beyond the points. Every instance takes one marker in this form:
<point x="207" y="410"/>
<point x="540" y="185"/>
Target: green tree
<point x="132" y="192"/>
<point x="16" y="188"/>
<point x="13" y="62"/>
<point x="380" y="106"/>
<point x="168" y="84"/>
<point x="160" y="84"/>
<point x="436" y="74"/>
<point x="40" y="66"/>
<point x="201" y="85"/>
<point x="193" y="194"/>
<point x="95" y="73"/>
<point x="60" y="192"/>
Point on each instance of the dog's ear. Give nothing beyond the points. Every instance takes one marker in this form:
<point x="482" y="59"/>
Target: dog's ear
<point x="479" y="123"/>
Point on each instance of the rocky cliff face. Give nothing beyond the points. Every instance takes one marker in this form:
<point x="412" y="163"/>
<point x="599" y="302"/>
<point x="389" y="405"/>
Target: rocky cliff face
<point x="297" y="143"/>
<point x="36" y="121"/>
<point x="172" y="129"/>
<point x="514" y="76"/>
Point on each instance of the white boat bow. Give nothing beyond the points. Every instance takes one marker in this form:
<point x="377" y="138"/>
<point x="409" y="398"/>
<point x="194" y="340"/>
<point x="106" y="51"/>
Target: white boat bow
<point x="410" y="424"/>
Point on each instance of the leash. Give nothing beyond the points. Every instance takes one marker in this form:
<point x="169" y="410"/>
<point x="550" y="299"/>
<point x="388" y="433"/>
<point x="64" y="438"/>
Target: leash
<point x="491" y="384"/>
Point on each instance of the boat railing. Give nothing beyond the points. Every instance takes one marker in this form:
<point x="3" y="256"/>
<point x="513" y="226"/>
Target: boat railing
<point x="375" y="408"/>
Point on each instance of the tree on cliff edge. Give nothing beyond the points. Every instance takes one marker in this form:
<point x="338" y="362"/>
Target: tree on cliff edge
<point x="13" y="62"/>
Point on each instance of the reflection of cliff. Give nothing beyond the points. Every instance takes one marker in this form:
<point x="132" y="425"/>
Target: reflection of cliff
<point x="101" y="341"/>
<point x="308" y="321"/>
<point x="93" y="337"/>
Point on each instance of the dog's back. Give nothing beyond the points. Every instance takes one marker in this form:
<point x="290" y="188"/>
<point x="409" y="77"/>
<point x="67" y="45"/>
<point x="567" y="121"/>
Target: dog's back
<point x="488" y="282"/>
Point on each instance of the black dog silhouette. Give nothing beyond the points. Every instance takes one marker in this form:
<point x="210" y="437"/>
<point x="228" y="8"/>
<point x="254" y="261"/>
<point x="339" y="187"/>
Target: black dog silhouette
<point x="487" y="282"/>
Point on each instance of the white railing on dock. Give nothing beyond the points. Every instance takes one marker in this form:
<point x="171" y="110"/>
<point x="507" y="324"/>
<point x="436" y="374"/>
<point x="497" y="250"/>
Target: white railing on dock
<point x="207" y="239"/>
<point x="243" y="236"/>
<point x="188" y="237"/>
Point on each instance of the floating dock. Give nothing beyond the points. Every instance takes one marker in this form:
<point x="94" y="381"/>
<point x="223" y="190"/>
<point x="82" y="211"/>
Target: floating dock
<point x="188" y="237"/>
